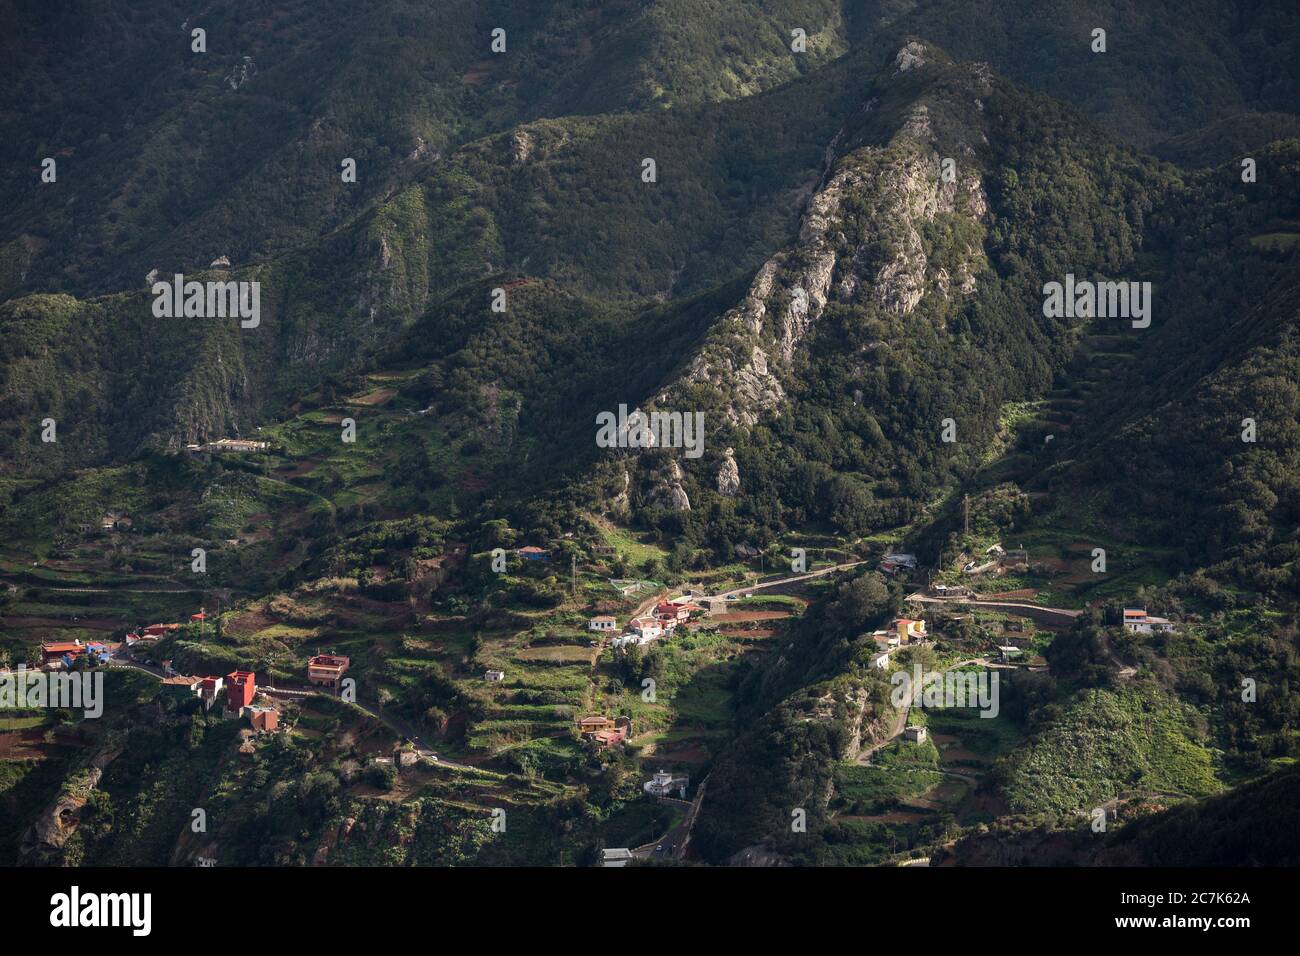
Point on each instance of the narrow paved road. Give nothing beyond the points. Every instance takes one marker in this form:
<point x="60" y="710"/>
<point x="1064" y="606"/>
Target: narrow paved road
<point x="900" y="721"/>
<point x="1067" y="614"/>
<point x="786" y="580"/>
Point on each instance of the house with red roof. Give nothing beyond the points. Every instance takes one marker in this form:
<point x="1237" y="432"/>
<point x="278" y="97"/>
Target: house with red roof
<point x="208" y="689"/>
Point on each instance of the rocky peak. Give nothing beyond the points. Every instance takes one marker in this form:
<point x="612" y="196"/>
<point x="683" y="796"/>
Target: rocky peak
<point x="728" y="474"/>
<point x="860" y="242"/>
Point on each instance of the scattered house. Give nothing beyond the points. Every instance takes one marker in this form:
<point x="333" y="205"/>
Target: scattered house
<point x="99" y="652"/>
<point x="950" y="590"/>
<point x="241" y="687"/>
<point x="747" y="551"/>
<point x="606" y="739"/>
<point x="604" y="732"/>
<point x="1138" y="621"/>
<point x="893" y="563"/>
<point x="533" y="553"/>
<point x="200" y="617"/>
<point x="264" y="720"/>
<point x="156" y="631"/>
<point x="180" y="687"/>
<point x="237" y="445"/>
<point x="886" y="638"/>
<point x="594" y="723"/>
<point x="615" y="856"/>
<point x="668" y="609"/>
<point x="909" y="630"/>
<point x="65" y="653"/>
<point x="604" y="550"/>
<point x="327" y="670"/>
<point x="1008" y="651"/>
<point x="220" y="262"/>
<point x="916" y="735"/>
<point x="602" y="622"/>
<point x="1017" y="560"/>
<point x="56" y="650"/>
<point x="494" y="677"/>
<point x="880" y="661"/>
<point x="645" y="628"/>
<point x="208" y="689"/>
<point x="663" y="784"/>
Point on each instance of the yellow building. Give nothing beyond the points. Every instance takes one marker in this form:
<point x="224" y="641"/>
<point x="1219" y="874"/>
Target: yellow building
<point x="909" y="630"/>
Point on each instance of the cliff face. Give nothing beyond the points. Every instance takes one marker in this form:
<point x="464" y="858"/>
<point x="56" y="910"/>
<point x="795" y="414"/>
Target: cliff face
<point x="859" y="242"/>
<point x="42" y="844"/>
<point x="893" y="176"/>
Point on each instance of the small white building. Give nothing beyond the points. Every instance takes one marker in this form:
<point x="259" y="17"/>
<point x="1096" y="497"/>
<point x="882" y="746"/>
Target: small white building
<point x="664" y="784"/>
<point x="1138" y="621"/>
<point x="916" y="735"/>
<point x="494" y="677"/>
<point x="602" y="622"/>
<point x="646" y="628"/>
<point x="880" y="661"/>
<point x="615" y="856"/>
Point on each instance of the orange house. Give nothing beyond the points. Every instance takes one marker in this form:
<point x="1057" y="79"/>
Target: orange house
<point x="327" y="669"/>
<point x="263" y="719"/>
<point x="594" y="725"/>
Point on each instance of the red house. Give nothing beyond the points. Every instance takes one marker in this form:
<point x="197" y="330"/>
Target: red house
<point x="158" y="630"/>
<point x="241" y="686"/>
<point x="673" y="611"/>
<point x="606" y="739"/>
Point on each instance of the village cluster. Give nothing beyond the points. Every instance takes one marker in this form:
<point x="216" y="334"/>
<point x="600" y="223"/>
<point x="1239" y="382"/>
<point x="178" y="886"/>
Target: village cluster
<point x="233" y="696"/>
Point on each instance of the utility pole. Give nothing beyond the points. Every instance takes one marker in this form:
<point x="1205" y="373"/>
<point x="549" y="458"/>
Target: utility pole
<point x="965" y="502"/>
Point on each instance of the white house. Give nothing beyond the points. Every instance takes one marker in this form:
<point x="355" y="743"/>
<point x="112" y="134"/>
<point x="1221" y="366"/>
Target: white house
<point x="615" y="856"/>
<point x="915" y="735"/>
<point x="881" y="660"/>
<point x="663" y="784"/>
<point x="646" y="628"/>
<point x="494" y="677"/>
<point x="1138" y="621"/>
<point x="602" y="622"/>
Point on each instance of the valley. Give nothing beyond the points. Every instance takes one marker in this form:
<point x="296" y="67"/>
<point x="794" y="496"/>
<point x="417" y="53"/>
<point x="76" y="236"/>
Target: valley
<point x="968" y="353"/>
